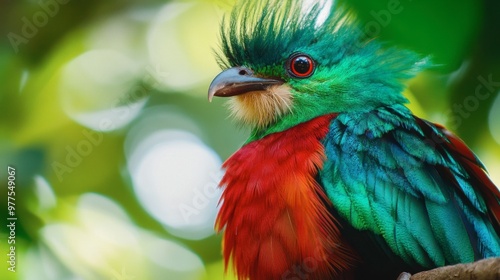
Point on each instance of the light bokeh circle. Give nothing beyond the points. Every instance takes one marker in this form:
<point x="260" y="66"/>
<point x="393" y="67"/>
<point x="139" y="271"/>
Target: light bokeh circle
<point x="175" y="177"/>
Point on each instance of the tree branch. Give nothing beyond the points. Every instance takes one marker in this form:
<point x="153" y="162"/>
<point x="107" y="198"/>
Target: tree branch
<point x="483" y="269"/>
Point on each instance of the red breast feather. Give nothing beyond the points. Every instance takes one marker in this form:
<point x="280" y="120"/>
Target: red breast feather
<point x="273" y="213"/>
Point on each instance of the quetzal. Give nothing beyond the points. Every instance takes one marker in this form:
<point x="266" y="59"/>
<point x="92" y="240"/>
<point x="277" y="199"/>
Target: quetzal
<point x="338" y="178"/>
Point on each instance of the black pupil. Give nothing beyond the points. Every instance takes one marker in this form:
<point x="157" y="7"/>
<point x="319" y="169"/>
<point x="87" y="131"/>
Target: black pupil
<point x="301" y="65"/>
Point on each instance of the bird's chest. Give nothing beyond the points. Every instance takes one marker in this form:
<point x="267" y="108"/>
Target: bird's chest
<point x="273" y="211"/>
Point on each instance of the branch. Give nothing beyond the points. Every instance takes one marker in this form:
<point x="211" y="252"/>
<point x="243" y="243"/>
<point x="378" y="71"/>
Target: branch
<point x="483" y="269"/>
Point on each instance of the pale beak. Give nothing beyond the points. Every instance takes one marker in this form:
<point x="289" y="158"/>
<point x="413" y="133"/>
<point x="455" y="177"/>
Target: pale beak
<point x="238" y="80"/>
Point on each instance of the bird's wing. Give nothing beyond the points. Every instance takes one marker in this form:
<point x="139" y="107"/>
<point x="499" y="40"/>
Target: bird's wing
<point x="413" y="186"/>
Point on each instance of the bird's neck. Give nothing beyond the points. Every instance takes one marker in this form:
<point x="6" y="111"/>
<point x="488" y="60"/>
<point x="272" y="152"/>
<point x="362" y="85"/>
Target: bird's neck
<point x="274" y="212"/>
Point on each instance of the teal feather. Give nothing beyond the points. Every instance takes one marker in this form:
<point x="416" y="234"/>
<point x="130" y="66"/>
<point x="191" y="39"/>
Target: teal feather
<point x="383" y="176"/>
<point x="488" y="244"/>
<point x="472" y="194"/>
<point x="450" y="231"/>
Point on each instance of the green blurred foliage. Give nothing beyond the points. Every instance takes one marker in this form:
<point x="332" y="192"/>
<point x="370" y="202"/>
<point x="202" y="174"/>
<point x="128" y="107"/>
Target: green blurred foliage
<point x="40" y="132"/>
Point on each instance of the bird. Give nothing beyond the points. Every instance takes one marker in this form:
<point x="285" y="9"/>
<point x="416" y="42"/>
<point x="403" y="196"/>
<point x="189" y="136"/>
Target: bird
<point x="338" y="178"/>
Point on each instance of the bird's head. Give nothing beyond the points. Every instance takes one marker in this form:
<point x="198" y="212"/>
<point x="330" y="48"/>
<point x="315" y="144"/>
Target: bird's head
<point x="284" y="66"/>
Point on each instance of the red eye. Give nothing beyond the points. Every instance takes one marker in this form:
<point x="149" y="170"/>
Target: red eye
<point x="300" y="66"/>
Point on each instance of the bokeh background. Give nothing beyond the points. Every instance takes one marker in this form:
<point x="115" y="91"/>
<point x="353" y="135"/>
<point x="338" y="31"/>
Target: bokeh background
<point x="104" y="116"/>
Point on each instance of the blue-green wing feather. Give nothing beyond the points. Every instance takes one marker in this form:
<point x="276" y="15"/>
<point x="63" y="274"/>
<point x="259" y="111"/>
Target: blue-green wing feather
<point x="393" y="175"/>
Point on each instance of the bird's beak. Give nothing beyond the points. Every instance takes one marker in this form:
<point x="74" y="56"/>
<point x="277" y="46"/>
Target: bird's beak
<point x="238" y="80"/>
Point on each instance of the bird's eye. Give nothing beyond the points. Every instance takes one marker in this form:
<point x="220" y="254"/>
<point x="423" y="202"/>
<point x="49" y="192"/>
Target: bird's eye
<point x="300" y="65"/>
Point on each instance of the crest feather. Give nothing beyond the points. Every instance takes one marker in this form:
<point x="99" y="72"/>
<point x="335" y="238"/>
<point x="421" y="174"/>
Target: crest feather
<point x="257" y="29"/>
